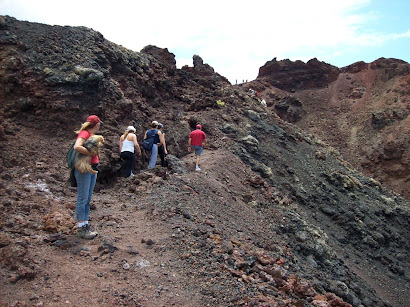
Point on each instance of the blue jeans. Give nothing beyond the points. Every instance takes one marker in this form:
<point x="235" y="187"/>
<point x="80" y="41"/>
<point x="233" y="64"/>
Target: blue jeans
<point x="198" y="149"/>
<point x="85" y="188"/>
<point x="153" y="157"/>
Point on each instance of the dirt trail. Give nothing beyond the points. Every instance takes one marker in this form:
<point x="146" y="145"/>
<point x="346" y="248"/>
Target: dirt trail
<point x="117" y="265"/>
<point x="127" y="262"/>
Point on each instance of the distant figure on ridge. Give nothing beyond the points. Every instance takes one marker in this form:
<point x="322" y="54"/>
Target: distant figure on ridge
<point x="197" y="141"/>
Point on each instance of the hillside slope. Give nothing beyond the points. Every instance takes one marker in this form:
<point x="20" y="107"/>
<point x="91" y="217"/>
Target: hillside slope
<point x="362" y="110"/>
<point x="275" y="218"/>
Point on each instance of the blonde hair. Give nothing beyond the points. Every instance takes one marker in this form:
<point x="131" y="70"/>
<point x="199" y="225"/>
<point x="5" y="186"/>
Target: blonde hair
<point x="84" y="126"/>
<point x="126" y="133"/>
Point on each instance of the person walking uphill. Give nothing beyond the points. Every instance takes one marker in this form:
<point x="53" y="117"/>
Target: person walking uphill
<point x="85" y="181"/>
<point x="197" y="141"/>
<point x="127" y="143"/>
<point x="158" y="137"/>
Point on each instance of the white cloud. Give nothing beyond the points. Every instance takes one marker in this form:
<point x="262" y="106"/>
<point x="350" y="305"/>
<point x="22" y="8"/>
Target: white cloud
<point x="400" y="35"/>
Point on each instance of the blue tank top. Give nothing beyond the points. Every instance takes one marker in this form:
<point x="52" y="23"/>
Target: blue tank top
<point x="151" y="132"/>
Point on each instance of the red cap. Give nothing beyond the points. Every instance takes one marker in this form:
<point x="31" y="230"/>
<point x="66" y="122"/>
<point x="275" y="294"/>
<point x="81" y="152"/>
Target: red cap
<point x="199" y="126"/>
<point x="93" y="119"/>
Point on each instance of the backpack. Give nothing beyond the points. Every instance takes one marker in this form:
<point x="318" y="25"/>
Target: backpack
<point x="70" y="157"/>
<point x="148" y="142"/>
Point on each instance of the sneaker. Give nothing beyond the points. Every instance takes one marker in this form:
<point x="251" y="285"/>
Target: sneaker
<point x="85" y="233"/>
<point x="197" y="168"/>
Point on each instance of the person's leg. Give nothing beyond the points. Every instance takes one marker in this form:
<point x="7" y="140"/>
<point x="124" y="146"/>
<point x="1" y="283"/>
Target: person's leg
<point x="132" y="162"/>
<point x="161" y="154"/>
<point x="93" y="179"/>
<point x="129" y="162"/>
<point x="198" y="152"/>
<point x="153" y="158"/>
<point x="83" y="185"/>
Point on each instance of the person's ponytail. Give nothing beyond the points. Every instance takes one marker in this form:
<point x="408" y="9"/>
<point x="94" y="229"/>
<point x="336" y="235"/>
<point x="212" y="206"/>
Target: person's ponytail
<point x="83" y="127"/>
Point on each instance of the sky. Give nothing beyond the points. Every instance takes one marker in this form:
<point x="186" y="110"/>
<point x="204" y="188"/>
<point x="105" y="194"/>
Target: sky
<point x="238" y="37"/>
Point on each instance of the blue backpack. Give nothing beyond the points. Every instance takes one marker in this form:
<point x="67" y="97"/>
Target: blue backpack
<point x="149" y="140"/>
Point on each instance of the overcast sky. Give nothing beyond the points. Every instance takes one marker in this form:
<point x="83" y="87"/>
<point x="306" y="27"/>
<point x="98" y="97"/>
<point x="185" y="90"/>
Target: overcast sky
<point x="237" y="37"/>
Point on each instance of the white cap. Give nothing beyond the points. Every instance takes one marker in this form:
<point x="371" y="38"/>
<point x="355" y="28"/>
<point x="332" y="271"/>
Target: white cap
<point x="131" y="128"/>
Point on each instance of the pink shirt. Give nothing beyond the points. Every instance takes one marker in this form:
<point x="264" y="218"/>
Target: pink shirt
<point x="85" y="135"/>
<point x="197" y="136"/>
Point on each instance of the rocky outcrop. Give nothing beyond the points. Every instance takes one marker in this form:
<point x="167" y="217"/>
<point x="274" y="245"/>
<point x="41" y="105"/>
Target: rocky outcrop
<point x="207" y="74"/>
<point x="290" y="109"/>
<point x="292" y="76"/>
<point x="354" y="68"/>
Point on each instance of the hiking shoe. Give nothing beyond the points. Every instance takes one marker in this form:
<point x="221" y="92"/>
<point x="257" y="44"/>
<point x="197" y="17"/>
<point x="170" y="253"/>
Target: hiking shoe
<point x="84" y="232"/>
<point x="197" y="168"/>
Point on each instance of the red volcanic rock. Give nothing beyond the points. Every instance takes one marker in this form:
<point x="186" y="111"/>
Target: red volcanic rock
<point x="57" y="221"/>
<point x="355" y="67"/>
<point x="161" y="54"/>
<point x="364" y="114"/>
<point x="204" y="71"/>
<point x="290" y="76"/>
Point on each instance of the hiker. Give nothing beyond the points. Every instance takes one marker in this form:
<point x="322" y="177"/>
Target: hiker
<point x="85" y="181"/>
<point x="197" y="141"/>
<point x="158" y="138"/>
<point x="161" y="152"/>
<point x="128" y="141"/>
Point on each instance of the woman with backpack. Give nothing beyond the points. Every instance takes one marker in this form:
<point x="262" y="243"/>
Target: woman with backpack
<point x="85" y="181"/>
<point x="153" y="136"/>
<point x="127" y="143"/>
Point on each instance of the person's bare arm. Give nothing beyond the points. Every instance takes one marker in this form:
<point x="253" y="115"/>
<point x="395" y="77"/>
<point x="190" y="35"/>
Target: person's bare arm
<point x="78" y="147"/>
<point x="189" y="144"/>
<point x="162" y="141"/>
<point x="121" y="143"/>
<point x="134" y="138"/>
